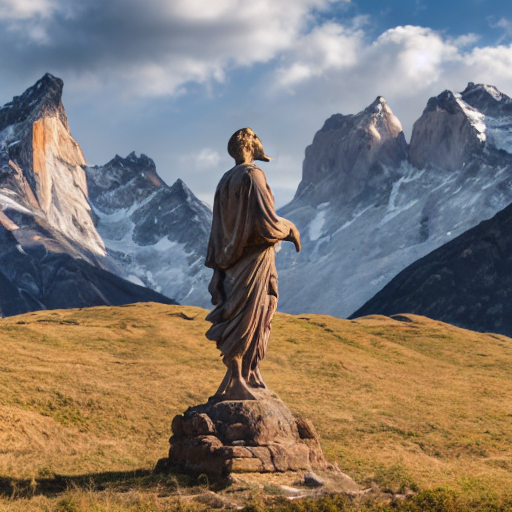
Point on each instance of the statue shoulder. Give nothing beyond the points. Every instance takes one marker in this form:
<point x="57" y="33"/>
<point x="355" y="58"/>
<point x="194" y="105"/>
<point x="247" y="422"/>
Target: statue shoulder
<point x="256" y="174"/>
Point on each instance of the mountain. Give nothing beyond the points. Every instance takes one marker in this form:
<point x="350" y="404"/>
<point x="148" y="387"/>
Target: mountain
<point x="466" y="282"/>
<point x="156" y="234"/>
<point x="369" y="205"/>
<point x="51" y="255"/>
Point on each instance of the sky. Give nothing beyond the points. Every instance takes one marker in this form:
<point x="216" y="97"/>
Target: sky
<point x="175" y="78"/>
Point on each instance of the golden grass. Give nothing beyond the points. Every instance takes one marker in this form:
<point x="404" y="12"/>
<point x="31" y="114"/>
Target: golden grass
<point x="418" y="405"/>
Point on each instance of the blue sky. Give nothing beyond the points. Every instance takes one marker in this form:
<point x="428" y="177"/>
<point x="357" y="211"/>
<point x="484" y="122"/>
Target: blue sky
<point x="174" y="79"/>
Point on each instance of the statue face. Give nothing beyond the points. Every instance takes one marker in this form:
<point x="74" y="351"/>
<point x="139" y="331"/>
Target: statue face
<point x="257" y="150"/>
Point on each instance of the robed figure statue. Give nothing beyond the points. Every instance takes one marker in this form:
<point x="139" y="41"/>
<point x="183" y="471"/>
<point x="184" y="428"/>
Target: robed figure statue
<point x="241" y="252"/>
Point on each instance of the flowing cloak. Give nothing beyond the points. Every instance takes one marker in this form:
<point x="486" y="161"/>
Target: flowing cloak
<point x="245" y="229"/>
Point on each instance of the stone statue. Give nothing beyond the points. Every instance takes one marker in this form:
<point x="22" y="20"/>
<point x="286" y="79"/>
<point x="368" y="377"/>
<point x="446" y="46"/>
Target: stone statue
<point x="243" y="427"/>
<point x="245" y="229"/>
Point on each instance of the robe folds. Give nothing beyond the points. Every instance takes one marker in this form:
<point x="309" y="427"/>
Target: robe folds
<point x="245" y="228"/>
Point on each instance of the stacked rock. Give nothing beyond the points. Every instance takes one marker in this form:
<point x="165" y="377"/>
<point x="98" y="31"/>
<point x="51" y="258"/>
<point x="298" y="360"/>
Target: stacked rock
<point x="223" y="437"/>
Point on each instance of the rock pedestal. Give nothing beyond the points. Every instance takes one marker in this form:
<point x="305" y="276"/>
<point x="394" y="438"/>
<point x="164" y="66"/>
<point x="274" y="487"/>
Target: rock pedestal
<point x="219" y="438"/>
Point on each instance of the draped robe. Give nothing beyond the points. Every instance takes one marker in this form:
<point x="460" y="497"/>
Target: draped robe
<point x="241" y="253"/>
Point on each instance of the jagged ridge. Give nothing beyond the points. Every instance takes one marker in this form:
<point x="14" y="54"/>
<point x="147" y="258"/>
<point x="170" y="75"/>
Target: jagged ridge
<point x="157" y="234"/>
<point x="365" y="213"/>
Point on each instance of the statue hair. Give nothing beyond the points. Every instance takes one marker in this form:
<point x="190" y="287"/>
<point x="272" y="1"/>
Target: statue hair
<point x="245" y="145"/>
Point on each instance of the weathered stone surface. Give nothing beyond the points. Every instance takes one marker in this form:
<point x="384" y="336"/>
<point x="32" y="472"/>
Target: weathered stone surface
<point x="198" y="425"/>
<point x="290" y="457"/>
<point x="234" y="452"/>
<point x="264" y="456"/>
<point x="177" y="425"/>
<point x="261" y="421"/>
<point x="306" y="429"/>
<point x="245" y="465"/>
<point x="444" y="135"/>
<point x="208" y="439"/>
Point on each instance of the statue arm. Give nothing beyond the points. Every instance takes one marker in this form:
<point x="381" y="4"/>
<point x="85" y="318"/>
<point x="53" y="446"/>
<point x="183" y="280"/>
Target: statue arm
<point x="294" y="235"/>
<point x="273" y="227"/>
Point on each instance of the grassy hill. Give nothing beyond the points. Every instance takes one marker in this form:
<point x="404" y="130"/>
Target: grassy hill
<point x="91" y="393"/>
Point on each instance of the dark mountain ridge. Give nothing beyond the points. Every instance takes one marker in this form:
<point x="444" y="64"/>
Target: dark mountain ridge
<point x="466" y="282"/>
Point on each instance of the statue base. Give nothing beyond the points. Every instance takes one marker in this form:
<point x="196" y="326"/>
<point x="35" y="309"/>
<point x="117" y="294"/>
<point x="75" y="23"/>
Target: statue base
<point x="223" y="437"/>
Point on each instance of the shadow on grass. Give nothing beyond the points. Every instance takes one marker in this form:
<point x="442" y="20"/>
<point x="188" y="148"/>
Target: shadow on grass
<point x="118" y="481"/>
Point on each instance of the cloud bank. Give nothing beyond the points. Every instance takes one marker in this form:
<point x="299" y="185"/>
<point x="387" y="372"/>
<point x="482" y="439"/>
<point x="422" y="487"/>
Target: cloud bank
<point x="281" y="67"/>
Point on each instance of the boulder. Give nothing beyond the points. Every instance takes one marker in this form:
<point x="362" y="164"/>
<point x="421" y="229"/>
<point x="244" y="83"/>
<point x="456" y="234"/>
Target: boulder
<point x="223" y="437"/>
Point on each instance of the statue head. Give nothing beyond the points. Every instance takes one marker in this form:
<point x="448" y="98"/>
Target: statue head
<point x="245" y="146"/>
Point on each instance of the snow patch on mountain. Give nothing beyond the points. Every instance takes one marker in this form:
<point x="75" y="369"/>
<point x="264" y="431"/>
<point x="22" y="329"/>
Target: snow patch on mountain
<point x="499" y="132"/>
<point x="156" y="234"/>
<point x="316" y="225"/>
<point x="475" y="118"/>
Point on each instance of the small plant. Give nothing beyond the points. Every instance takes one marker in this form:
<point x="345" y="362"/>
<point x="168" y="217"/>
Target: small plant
<point x="394" y="479"/>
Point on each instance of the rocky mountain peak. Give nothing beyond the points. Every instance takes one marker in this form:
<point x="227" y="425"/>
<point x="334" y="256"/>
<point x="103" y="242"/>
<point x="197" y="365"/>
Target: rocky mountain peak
<point x="351" y="152"/>
<point x="365" y="212"/>
<point x="449" y="134"/>
<point x="122" y="182"/>
<point x="156" y="233"/>
<point x="444" y="102"/>
<point x="41" y="165"/>
<point x="180" y="189"/>
<point x="43" y="99"/>
<point x="487" y="99"/>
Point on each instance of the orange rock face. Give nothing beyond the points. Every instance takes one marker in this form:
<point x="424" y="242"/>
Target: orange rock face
<point x="39" y="164"/>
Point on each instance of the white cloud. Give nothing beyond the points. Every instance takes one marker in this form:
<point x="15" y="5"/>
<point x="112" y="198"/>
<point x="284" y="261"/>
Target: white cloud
<point x="25" y="9"/>
<point x="160" y="47"/>
<point x="465" y="40"/>
<point x="411" y="56"/>
<point x="403" y="62"/>
<point x="121" y="60"/>
<point x="492" y="65"/>
<point x="207" y="158"/>
<point x="329" y="46"/>
<point x="504" y="24"/>
<point x="153" y="47"/>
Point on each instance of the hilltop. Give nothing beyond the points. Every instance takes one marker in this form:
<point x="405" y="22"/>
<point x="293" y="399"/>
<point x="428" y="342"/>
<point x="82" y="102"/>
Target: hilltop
<point x="403" y="403"/>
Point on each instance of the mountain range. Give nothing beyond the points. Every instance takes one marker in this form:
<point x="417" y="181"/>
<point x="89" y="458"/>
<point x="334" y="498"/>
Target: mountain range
<point x="51" y="255"/>
<point x="156" y="234"/>
<point x="368" y="206"/>
<point x="467" y="281"/>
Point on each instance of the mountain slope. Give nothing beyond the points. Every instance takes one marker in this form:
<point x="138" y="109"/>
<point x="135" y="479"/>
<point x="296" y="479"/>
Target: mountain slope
<point x="362" y="224"/>
<point x="51" y="255"/>
<point x="156" y="234"/>
<point x="466" y="282"/>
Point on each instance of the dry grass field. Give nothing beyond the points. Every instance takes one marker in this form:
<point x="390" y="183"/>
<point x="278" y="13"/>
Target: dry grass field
<point x="87" y="397"/>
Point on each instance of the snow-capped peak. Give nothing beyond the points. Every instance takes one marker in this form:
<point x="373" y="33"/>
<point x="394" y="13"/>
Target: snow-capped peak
<point x="43" y="164"/>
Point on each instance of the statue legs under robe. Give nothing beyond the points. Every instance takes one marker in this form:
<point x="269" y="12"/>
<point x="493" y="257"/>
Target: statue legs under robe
<point x="242" y="321"/>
